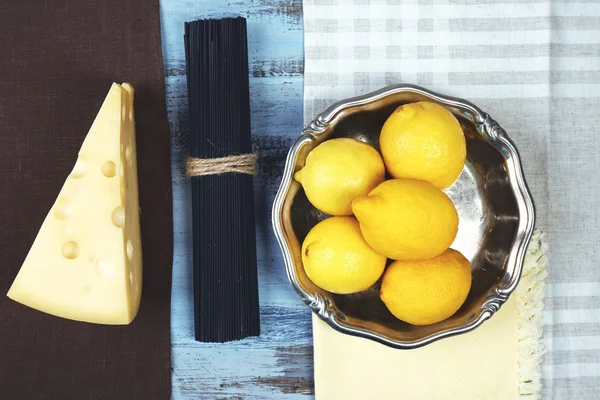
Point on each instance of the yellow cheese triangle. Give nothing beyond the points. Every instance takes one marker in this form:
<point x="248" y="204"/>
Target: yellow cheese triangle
<point x="86" y="261"/>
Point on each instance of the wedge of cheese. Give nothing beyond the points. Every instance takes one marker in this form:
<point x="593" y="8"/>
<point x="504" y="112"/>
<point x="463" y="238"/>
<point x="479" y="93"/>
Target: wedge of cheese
<point x="86" y="261"/>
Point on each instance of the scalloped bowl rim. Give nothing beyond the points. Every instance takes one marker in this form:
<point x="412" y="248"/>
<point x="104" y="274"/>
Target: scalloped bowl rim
<point x="498" y="138"/>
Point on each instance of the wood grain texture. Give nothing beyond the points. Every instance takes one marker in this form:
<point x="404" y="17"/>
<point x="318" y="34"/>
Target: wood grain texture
<point x="278" y="364"/>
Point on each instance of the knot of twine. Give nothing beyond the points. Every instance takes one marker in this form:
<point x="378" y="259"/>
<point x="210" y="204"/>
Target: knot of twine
<point x="243" y="164"/>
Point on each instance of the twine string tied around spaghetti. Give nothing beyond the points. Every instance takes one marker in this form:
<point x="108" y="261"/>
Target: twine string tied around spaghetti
<point x="242" y="164"/>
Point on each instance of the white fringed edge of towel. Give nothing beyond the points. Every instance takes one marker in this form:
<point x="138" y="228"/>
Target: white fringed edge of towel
<point x="530" y="324"/>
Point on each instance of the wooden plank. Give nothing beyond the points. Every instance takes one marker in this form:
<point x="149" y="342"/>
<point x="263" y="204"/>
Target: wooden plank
<point x="272" y="139"/>
<point x="278" y="364"/>
<point x="275" y="31"/>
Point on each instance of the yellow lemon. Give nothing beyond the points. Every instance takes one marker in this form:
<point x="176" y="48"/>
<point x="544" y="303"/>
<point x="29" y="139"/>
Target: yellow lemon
<point x="337" y="258"/>
<point x="339" y="170"/>
<point x="423" y="141"/>
<point x="405" y="219"/>
<point x="426" y="292"/>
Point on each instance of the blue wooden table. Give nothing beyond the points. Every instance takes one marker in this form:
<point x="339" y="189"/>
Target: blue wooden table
<point x="278" y="364"/>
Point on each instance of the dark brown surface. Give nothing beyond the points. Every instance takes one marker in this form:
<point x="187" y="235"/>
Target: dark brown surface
<point x="57" y="61"/>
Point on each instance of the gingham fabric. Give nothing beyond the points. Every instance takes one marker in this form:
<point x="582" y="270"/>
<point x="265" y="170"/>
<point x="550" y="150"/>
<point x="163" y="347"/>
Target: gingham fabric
<point x="534" y="66"/>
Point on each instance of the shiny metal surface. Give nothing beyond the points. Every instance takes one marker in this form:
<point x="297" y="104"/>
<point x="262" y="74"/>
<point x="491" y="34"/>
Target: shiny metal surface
<point x="494" y="205"/>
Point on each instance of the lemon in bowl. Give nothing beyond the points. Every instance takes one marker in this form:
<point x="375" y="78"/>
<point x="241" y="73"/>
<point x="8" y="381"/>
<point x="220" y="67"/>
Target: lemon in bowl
<point x="337" y="258"/>
<point x="338" y="171"/>
<point x="405" y="219"/>
<point x="428" y="291"/>
<point x="423" y="141"/>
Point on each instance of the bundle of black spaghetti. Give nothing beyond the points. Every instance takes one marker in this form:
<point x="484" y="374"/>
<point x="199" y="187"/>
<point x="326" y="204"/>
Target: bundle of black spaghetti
<point x="224" y="239"/>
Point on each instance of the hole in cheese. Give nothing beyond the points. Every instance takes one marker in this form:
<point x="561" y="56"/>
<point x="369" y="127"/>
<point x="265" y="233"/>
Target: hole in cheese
<point x="70" y="250"/>
<point x="123" y="112"/>
<point x="66" y="230"/>
<point x="128" y="154"/>
<point x="131" y="114"/>
<point x="129" y="250"/>
<point x="109" y="169"/>
<point x="118" y="217"/>
<point x="63" y="208"/>
<point x="131" y="276"/>
<point x="79" y="169"/>
<point x="104" y="268"/>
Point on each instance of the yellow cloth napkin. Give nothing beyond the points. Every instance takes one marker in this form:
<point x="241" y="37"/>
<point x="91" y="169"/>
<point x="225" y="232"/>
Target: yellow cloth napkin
<point x="500" y="360"/>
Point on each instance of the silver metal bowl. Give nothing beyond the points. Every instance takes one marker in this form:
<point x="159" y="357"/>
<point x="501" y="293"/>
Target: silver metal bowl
<point x="492" y="199"/>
